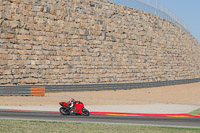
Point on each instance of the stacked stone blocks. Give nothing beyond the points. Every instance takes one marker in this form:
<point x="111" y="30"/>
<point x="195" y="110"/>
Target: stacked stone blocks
<point x="91" y="41"/>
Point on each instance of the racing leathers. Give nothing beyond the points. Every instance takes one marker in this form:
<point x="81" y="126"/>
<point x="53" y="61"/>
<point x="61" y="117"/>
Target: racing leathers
<point x="72" y="102"/>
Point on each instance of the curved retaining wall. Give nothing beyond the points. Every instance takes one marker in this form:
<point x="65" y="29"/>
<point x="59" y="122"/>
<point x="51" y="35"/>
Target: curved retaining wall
<point x="90" y="42"/>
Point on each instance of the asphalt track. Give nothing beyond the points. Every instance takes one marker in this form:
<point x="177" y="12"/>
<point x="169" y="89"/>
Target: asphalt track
<point x="192" y="122"/>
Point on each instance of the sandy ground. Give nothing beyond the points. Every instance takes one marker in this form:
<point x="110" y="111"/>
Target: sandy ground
<point x="144" y="108"/>
<point x="187" y="94"/>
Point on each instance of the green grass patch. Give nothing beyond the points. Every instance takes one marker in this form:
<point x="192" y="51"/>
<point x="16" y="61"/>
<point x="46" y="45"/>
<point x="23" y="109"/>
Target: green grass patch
<point x="23" y="126"/>
<point x="195" y="112"/>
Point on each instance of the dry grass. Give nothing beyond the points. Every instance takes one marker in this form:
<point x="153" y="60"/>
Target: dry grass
<point x="18" y="126"/>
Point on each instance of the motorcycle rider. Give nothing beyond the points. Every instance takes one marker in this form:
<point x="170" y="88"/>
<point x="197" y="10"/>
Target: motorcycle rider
<point x="71" y="103"/>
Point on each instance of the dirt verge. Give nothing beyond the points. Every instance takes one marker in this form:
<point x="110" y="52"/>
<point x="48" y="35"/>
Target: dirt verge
<point x="178" y="94"/>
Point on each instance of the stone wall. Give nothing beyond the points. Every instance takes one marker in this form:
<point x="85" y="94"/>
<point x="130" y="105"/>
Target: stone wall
<point x="90" y="41"/>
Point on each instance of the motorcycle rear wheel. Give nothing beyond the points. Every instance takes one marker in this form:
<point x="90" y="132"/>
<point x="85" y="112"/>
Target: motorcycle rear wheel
<point x="86" y="112"/>
<point x="64" y="111"/>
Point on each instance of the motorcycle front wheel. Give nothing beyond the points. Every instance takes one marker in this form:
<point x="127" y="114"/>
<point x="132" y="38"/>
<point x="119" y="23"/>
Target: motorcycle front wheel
<point x="86" y="112"/>
<point x="64" y="111"/>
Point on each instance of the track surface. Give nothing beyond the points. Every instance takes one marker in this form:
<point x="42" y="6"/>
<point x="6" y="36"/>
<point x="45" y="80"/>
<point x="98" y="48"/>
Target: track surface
<point x="135" y="120"/>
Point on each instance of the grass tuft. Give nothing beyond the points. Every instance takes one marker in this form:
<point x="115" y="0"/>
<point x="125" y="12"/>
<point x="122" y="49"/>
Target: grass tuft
<point x="195" y="112"/>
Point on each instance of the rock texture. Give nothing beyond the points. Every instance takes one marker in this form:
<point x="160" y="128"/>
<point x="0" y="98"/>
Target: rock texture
<point x="90" y="41"/>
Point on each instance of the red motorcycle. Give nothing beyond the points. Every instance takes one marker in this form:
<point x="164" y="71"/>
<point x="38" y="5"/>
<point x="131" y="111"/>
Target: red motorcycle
<point x="77" y="109"/>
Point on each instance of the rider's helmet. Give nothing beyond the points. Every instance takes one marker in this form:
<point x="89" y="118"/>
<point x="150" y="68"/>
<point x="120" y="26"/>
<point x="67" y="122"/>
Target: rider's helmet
<point x="72" y="100"/>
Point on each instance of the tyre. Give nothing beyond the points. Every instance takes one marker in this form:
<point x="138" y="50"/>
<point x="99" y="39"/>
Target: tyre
<point x="86" y="112"/>
<point x="64" y="111"/>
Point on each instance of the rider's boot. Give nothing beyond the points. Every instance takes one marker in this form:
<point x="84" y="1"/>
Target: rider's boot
<point x="71" y="111"/>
